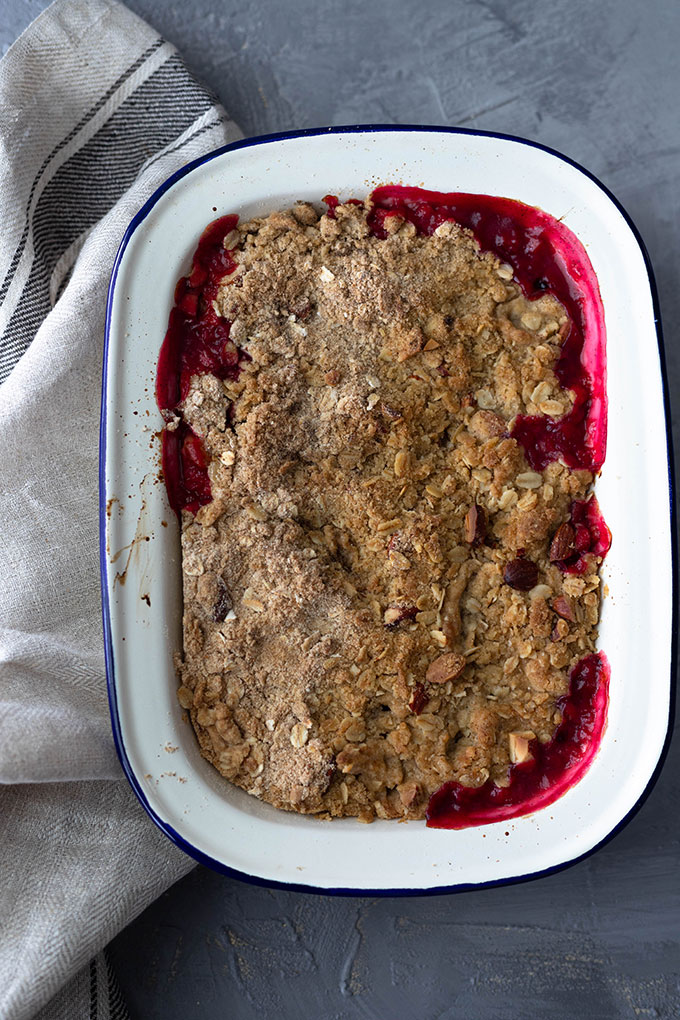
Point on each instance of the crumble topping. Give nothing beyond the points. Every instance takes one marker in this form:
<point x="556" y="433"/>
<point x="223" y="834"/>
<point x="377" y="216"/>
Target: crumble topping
<point x="373" y="601"/>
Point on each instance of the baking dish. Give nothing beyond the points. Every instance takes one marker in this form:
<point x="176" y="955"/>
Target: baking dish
<point x="141" y="584"/>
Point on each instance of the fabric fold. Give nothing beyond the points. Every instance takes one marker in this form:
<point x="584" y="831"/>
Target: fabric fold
<point x="97" y="112"/>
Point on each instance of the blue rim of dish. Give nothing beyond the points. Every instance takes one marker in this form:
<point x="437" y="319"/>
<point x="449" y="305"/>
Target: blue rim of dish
<point x="174" y="836"/>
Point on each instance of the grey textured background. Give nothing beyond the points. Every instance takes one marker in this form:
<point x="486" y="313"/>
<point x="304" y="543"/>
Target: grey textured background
<point x="601" y="82"/>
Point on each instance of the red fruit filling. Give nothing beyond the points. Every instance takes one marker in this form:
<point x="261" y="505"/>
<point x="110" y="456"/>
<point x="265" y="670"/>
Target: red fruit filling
<point x="197" y="341"/>
<point x="185" y="469"/>
<point x="592" y="537"/>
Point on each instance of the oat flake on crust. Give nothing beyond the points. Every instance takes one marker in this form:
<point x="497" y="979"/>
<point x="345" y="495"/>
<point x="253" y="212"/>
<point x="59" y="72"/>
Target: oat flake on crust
<point x="350" y="643"/>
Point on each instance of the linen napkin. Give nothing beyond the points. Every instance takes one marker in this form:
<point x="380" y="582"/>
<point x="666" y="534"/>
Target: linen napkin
<point x="95" y="112"/>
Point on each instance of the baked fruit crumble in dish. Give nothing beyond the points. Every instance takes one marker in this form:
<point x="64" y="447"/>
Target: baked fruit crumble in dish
<point x="383" y="425"/>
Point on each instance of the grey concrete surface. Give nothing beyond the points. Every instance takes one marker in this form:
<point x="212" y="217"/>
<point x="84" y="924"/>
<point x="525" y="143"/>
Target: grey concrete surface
<point x="601" y="82"/>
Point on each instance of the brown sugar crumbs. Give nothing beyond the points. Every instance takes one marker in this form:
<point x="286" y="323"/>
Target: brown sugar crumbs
<point x="372" y="601"/>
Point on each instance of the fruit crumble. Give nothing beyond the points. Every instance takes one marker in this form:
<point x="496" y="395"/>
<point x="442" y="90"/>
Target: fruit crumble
<point x="382" y="438"/>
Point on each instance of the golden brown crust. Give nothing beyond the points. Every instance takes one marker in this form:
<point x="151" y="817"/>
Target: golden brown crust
<point x="350" y="643"/>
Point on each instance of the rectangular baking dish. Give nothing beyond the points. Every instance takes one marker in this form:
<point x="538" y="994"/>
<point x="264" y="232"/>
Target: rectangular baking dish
<point x="201" y="812"/>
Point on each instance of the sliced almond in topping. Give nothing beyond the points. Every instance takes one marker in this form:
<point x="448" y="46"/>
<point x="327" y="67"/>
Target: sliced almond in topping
<point x="475" y="525"/>
<point x="564" y="608"/>
<point x="408" y="793"/>
<point x="419" y="699"/>
<point x="519" y="745"/>
<point x="448" y="666"/>
<point x="398" y="614"/>
<point x="562" y="545"/>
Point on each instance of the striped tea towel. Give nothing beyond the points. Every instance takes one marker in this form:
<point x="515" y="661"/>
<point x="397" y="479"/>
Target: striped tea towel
<point x="95" y="112"/>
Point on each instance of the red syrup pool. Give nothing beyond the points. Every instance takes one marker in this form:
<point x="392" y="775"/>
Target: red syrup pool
<point x="553" y="768"/>
<point x="197" y="341"/>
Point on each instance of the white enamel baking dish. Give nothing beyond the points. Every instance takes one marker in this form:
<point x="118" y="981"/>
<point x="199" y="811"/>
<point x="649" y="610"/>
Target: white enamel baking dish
<point x="201" y="812"/>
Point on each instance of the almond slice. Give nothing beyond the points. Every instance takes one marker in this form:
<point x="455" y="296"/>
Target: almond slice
<point x="562" y="545"/>
<point x="475" y="525"/>
<point x="519" y="745"/>
<point x="448" y="666"/>
<point x="564" y="608"/>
